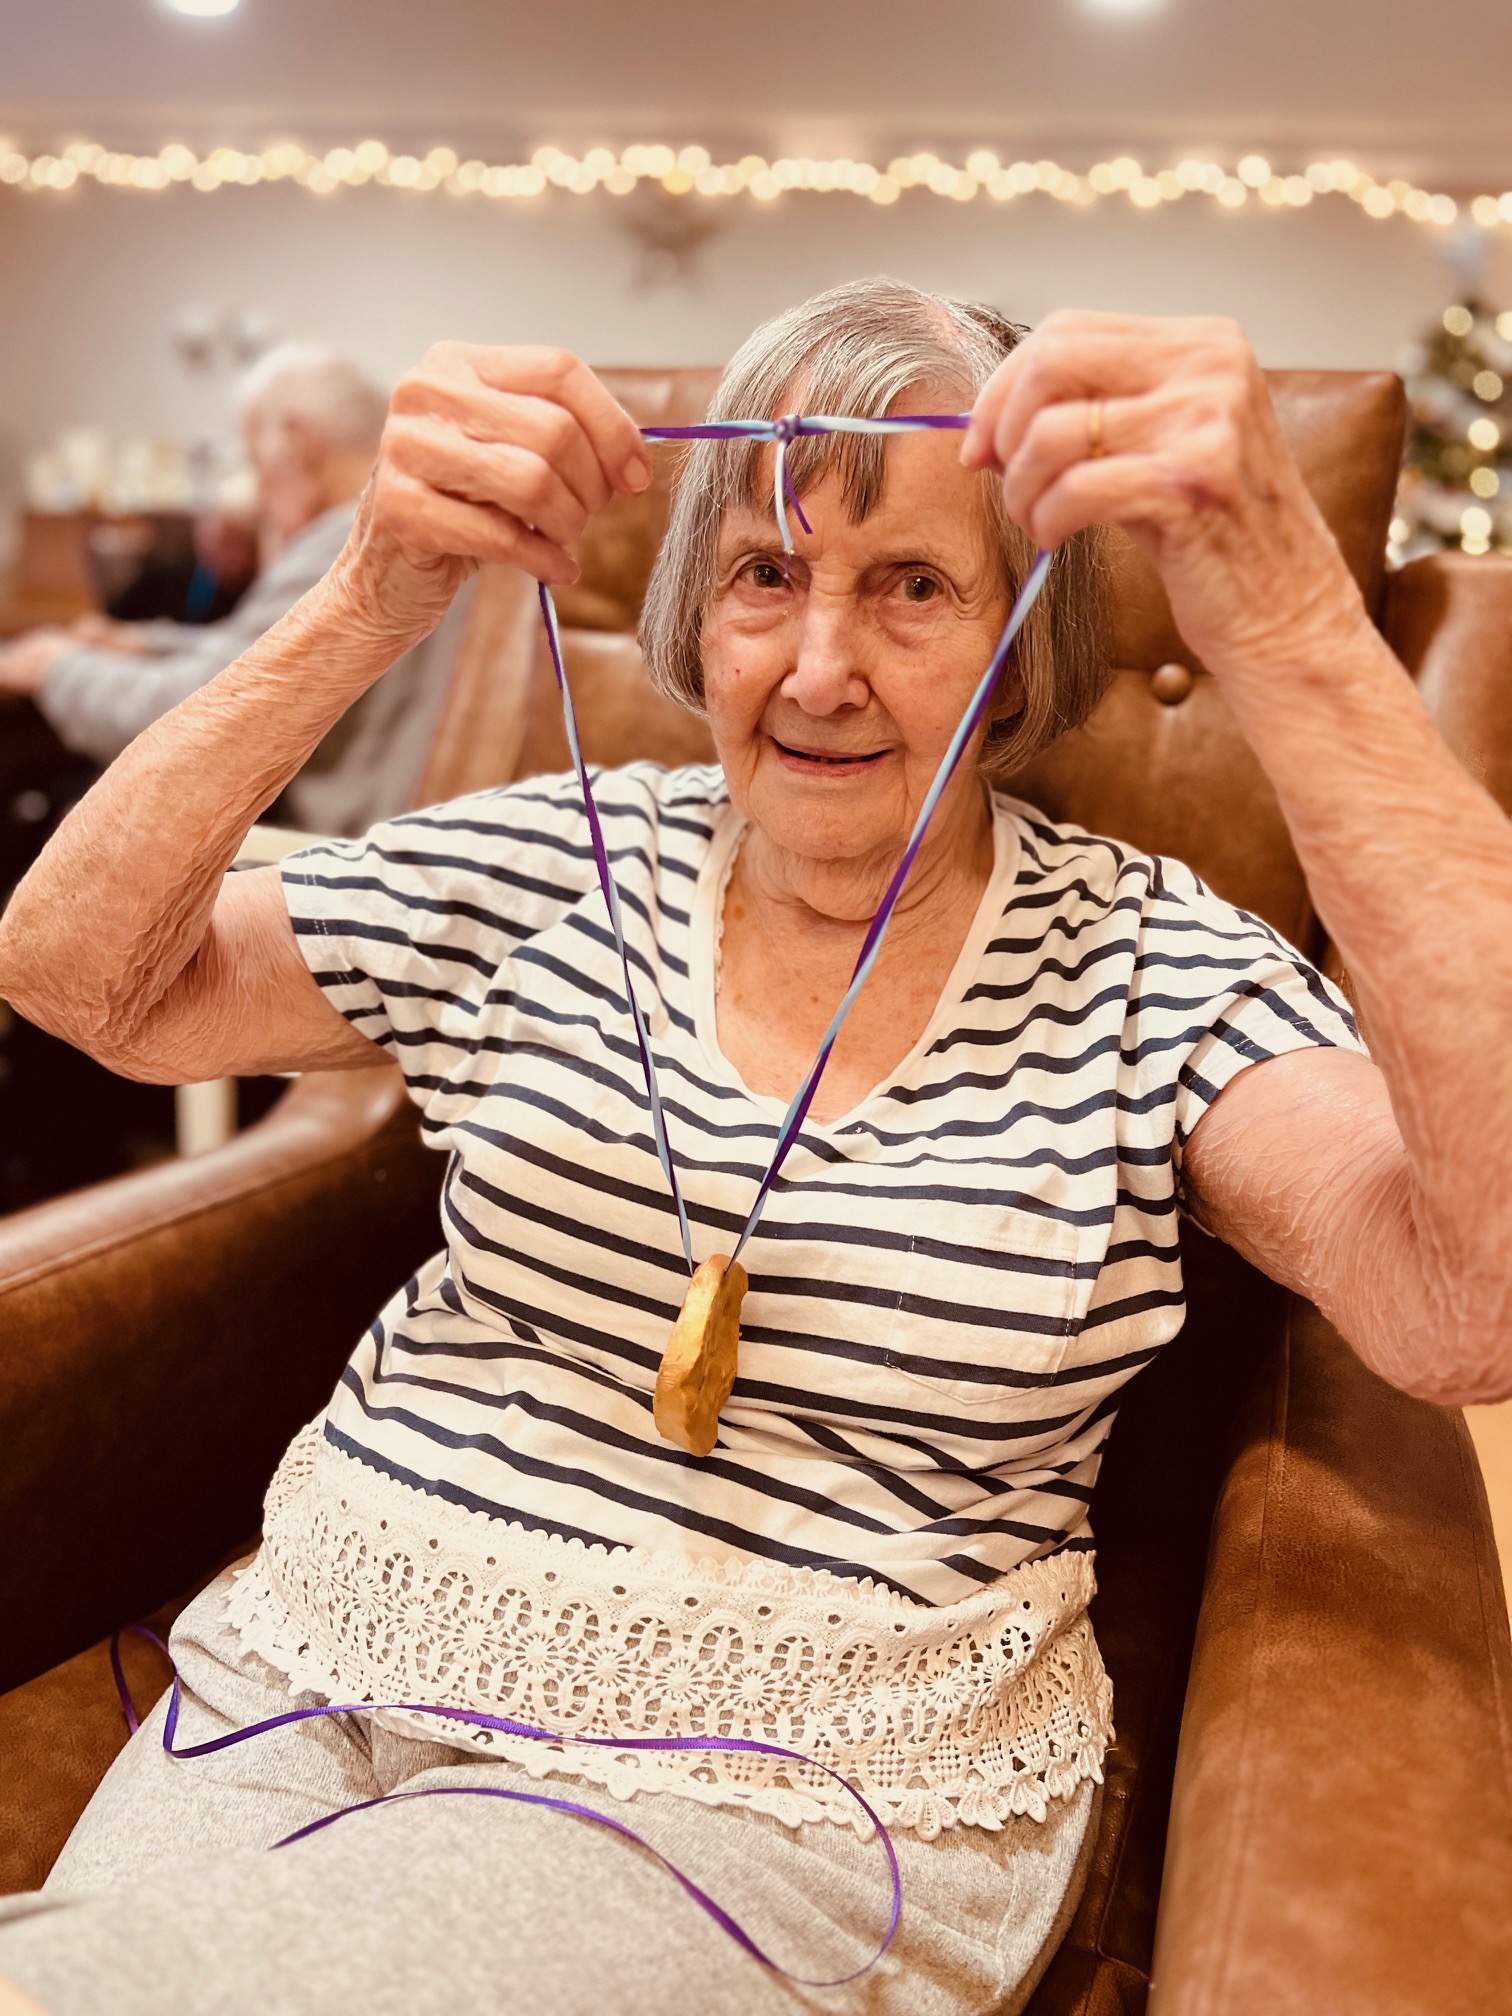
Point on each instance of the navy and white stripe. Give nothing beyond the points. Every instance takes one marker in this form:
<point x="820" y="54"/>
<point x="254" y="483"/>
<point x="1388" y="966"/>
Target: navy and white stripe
<point x="950" y="1283"/>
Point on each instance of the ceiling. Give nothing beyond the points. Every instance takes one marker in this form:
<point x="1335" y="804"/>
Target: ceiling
<point x="1399" y="86"/>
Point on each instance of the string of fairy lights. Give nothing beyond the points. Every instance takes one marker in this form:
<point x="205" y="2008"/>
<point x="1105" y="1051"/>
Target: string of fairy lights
<point x="692" y="171"/>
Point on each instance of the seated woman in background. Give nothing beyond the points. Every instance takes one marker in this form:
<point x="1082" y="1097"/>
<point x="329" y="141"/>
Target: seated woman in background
<point x="310" y="422"/>
<point x="885" y="1561"/>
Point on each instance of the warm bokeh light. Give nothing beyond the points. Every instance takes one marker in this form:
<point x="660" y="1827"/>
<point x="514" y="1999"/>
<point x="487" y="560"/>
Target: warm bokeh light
<point x="692" y="171"/>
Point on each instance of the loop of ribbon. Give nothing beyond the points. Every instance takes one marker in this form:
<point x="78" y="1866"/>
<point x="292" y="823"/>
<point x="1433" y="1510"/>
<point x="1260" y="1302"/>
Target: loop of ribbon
<point x="724" y="1919"/>
<point x="782" y="432"/>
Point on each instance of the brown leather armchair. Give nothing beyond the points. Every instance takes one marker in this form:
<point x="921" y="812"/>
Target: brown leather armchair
<point x="1307" y="1805"/>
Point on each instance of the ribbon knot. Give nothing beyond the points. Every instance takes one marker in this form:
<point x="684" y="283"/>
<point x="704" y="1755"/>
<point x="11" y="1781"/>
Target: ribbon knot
<point x="784" y="432"/>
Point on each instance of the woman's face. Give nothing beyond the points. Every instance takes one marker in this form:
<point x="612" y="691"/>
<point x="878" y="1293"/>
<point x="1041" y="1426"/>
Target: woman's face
<point x="833" y="694"/>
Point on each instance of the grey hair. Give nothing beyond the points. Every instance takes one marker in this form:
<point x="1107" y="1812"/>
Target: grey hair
<point x="331" y="394"/>
<point x="857" y="350"/>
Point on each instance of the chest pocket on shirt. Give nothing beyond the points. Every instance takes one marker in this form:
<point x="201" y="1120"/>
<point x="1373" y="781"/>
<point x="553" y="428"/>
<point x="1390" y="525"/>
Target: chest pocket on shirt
<point x="984" y="1323"/>
<point x="967" y="1315"/>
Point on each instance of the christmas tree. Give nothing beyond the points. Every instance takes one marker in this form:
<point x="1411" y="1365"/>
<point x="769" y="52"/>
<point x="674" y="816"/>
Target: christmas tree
<point x="1456" y="487"/>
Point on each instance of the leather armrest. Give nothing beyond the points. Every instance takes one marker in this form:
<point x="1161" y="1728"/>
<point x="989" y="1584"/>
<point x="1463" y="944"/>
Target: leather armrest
<point x="1341" y="1824"/>
<point x="1449" y="619"/>
<point x="162" y="1336"/>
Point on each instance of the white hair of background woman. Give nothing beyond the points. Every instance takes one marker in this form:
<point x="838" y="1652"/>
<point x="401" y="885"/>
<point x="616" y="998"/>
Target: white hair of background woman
<point x="325" y="390"/>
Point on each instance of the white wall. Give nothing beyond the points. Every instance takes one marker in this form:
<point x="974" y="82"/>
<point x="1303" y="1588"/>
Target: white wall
<point x="89" y="282"/>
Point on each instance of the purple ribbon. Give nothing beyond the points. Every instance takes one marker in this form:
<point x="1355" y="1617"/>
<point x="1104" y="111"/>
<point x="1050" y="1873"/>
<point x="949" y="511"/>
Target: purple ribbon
<point x="876" y="931"/>
<point x="782" y="431"/>
<point x="721" y="1917"/>
<point x="791" y="425"/>
<point x="789" y="428"/>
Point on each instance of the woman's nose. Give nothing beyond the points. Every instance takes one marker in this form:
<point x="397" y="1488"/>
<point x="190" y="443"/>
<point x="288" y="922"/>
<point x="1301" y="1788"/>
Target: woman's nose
<point x="825" y="675"/>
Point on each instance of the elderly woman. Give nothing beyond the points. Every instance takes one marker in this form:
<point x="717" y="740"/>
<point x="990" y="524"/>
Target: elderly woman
<point x="884" y="1563"/>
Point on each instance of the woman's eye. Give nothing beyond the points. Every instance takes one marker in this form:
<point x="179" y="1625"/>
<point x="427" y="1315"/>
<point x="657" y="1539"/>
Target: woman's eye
<point x="920" y="587"/>
<point x="764" y="574"/>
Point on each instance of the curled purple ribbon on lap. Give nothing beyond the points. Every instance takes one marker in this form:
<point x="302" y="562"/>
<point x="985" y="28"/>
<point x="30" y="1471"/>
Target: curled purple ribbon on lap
<point x="724" y="1919"/>
<point x="781" y="433"/>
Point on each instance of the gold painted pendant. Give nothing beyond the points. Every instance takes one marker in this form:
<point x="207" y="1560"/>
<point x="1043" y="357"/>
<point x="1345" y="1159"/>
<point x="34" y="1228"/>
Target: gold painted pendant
<point x="698" y="1366"/>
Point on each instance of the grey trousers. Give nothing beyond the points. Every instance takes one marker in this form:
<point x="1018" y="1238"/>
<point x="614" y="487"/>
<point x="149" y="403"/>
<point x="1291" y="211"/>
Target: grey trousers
<point x="165" y="1901"/>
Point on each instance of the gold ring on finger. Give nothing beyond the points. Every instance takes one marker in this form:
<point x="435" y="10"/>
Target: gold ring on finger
<point x="1095" y="448"/>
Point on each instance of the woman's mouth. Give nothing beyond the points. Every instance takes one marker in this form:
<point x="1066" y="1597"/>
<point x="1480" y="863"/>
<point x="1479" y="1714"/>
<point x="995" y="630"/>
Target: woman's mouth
<point x="832" y="763"/>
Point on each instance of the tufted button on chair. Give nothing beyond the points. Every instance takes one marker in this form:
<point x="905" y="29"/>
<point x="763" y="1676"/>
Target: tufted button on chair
<point x="1307" y="1805"/>
<point x="1171" y="683"/>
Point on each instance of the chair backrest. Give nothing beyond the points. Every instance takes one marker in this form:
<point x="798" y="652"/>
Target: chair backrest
<point x="1161" y="763"/>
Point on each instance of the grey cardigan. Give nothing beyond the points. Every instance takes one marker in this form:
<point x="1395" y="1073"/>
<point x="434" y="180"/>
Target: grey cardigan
<point x="367" y="768"/>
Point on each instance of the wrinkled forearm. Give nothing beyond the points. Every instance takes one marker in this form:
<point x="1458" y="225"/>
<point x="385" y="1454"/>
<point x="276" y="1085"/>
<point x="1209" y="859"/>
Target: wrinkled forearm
<point x="1409" y="862"/>
<point x="1301" y="1167"/>
<point x="119" y="901"/>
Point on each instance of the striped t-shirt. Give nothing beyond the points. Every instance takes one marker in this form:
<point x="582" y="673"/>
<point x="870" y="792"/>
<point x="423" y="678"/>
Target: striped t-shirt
<point x="950" y="1283"/>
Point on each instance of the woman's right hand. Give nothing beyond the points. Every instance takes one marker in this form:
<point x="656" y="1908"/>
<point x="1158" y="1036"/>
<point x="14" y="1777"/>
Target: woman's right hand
<point x="488" y="455"/>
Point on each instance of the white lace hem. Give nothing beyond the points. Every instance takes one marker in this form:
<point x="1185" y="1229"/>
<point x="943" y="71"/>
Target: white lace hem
<point x="964" y="1714"/>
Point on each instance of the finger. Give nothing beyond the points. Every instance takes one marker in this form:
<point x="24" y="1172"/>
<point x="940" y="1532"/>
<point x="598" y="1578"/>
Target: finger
<point x="555" y="434"/>
<point x="1057" y="437"/>
<point x="559" y="376"/>
<point x="1036" y="360"/>
<point x="483" y="414"/>
<point x="1077" y="369"/>
<point x="1070" y="432"/>
<point x="1084" y="357"/>
<point x="1128" y="490"/>
<point x="433" y="526"/>
<point x="496" y="472"/>
<point x="1084" y="365"/>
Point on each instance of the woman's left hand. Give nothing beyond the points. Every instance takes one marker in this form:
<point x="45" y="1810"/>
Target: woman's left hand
<point x="1377" y="1189"/>
<point x="1192" y="465"/>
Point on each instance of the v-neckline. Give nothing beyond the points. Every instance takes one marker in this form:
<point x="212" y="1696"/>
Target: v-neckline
<point x="704" y="930"/>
